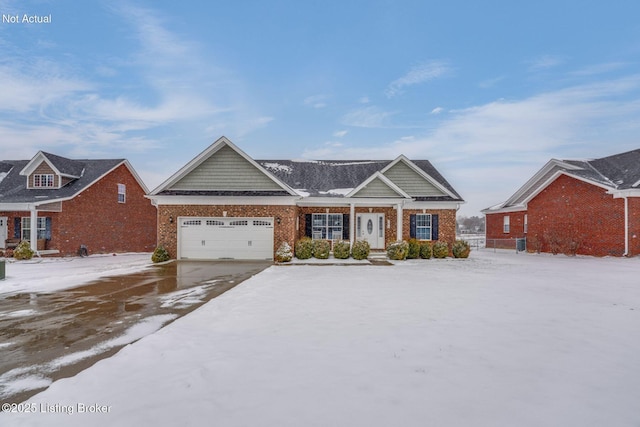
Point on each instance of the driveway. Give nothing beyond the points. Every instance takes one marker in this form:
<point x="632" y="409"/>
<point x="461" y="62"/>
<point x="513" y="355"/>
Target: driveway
<point x="47" y="336"/>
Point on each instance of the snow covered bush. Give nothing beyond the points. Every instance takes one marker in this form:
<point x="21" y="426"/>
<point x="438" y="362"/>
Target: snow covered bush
<point x="461" y="249"/>
<point x="160" y="254"/>
<point x="398" y="250"/>
<point x="321" y="249"/>
<point x="23" y="251"/>
<point x="341" y="249"/>
<point x="440" y="250"/>
<point x="426" y="251"/>
<point x="304" y="248"/>
<point x="414" y="249"/>
<point x="284" y="253"/>
<point x="360" y="249"/>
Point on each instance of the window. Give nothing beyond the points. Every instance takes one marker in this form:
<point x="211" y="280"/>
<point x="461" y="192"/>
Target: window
<point x="122" y="193"/>
<point x="423" y="226"/>
<point x="26" y="228"/>
<point x="526" y="223"/>
<point x="505" y="223"/>
<point x="41" y="180"/>
<point x="327" y="226"/>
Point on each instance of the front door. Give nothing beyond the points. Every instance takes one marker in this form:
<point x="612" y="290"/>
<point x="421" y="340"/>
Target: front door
<point x="370" y="227"/>
<point x="3" y="231"/>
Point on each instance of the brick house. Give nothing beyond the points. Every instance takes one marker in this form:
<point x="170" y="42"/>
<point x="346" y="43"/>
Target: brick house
<point x="589" y="207"/>
<point x="224" y="204"/>
<point x="100" y="204"/>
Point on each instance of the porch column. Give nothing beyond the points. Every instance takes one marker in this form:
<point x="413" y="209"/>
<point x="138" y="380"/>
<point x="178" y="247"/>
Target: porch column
<point x="33" y="237"/>
<point x="352" y="223"/>
<point x="399" y="227"/>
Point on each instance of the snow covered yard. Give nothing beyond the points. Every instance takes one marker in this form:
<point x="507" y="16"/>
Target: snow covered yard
<point x="51" y="274"/>
<point x="496" y="340"/>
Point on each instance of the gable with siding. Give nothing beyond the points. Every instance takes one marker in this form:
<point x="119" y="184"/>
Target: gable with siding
<point x="377" y="188"/>
<point x="412" y="182"/>
<point x="226" y="170"/>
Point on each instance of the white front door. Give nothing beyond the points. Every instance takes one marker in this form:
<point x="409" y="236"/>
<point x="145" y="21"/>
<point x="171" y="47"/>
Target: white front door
<point x="370" y="227"/>
<point x="3" y="231"/>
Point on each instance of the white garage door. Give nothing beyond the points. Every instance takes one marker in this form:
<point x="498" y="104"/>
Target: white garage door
<point x="225" y="238"/>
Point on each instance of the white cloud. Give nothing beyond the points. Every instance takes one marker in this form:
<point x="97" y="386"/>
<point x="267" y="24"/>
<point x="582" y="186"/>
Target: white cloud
<point x="316" y="101"/>
<point x="418" y="74"/>
<point x="437" y="110"/>
<point x="367" y="117"/>
<point x="340" y="133"/>
<point x="545" y="62"/>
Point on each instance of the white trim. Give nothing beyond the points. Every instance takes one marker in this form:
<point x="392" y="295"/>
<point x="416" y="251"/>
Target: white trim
<point x="431" y="205"/>
<point x="534" y="179"/>
<point x="207" y="153"/>
<point x="167" y="200"/>
<point x="517" y="208"/>
<point x="384" y="180"/>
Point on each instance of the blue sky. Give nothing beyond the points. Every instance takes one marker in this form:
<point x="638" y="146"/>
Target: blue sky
<point x="488" y="91"/>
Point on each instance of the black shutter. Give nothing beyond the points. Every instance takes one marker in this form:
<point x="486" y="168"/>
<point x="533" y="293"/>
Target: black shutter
<point x="47" y="232"/>
<point x="434" y="227"/>
<point x="412" y="226"/>
<point x="16" y="227"/>
<point x="308" y="226"/>
<point x="345" y="226"/>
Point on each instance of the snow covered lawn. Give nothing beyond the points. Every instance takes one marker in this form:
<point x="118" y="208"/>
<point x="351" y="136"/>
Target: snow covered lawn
<point x="496" y="340"/>
<point x="51" y="274"/>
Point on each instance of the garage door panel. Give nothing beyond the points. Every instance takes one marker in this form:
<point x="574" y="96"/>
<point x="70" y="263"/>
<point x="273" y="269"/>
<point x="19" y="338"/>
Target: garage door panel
<point x="224" y="238"/>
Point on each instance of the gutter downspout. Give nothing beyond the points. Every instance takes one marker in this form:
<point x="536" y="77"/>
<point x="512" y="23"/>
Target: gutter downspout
<point x="626" y="226"/>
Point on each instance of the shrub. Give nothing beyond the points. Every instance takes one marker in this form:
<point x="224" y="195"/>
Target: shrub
<point x="284" y="253"/>
<point x="461" y="249"/>
<point x="440" y="250"/>
<point x="23" y="251"/>
<point x="398" y="250"/>
<point x="8" y="253"/>
<point x="321" y="249"/>
<point x="426" y="250"/>
<point x="414" y="249"/>
<point x="360" y="249"/>
<point x="160" y="255"/>
<point x="304" y="248"/>
<point x="341" y="249"/>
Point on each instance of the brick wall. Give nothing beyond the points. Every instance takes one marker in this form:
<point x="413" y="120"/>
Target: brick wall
<point x="496" y="237"/>
<point x="446" y="223"/>
<point x="634" y="226"/>
<point x="95" y="218"/>
<point x="570" y="212"/>
<point x="168" y="231"/>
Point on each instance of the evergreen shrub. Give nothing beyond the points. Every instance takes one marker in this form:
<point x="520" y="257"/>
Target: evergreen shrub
<point x="304" y="248"/>
<point x="160" y="254"/>
<point x="414" y="249"/>
<point x="341" y="249"/>
<point x="461" y="249"/>
<point x="321" y="249"/>
<point x="23" y="251"/>
<point x="284" y="253"/>
<point x="398" y="250"/>
<point x="426" y="250"/>
<point x="360" y="249"/>
<point x="440" y="250"/>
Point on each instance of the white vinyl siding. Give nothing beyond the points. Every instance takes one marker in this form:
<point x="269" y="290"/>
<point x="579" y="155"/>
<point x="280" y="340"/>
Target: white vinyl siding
<point x="226" y="170"/>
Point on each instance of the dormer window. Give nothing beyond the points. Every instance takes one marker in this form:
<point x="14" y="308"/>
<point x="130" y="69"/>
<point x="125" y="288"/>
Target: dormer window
<point x="43" y="180"/>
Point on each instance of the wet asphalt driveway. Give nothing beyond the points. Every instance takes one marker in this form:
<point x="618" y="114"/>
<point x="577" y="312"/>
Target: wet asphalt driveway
<point x="47" y="336"/>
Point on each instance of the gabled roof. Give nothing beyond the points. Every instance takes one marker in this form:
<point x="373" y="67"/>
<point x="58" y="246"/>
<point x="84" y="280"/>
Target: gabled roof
<point x="205" y="184"/>
<point x="331" y="178"/>
<point x="61" y="165"/>
<point x="382" y="180"/>
<point x="13" y="187"/>
<point x="615" y="173"/>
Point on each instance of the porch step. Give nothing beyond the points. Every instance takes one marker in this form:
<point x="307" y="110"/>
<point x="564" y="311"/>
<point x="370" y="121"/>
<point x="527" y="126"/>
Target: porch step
<point x="377" y="255"/>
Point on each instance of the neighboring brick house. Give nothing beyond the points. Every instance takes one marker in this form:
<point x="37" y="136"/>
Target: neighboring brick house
<point x="100" y="204"/>
<point x="224" y="204"/>
<point x="589" y="207"/>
